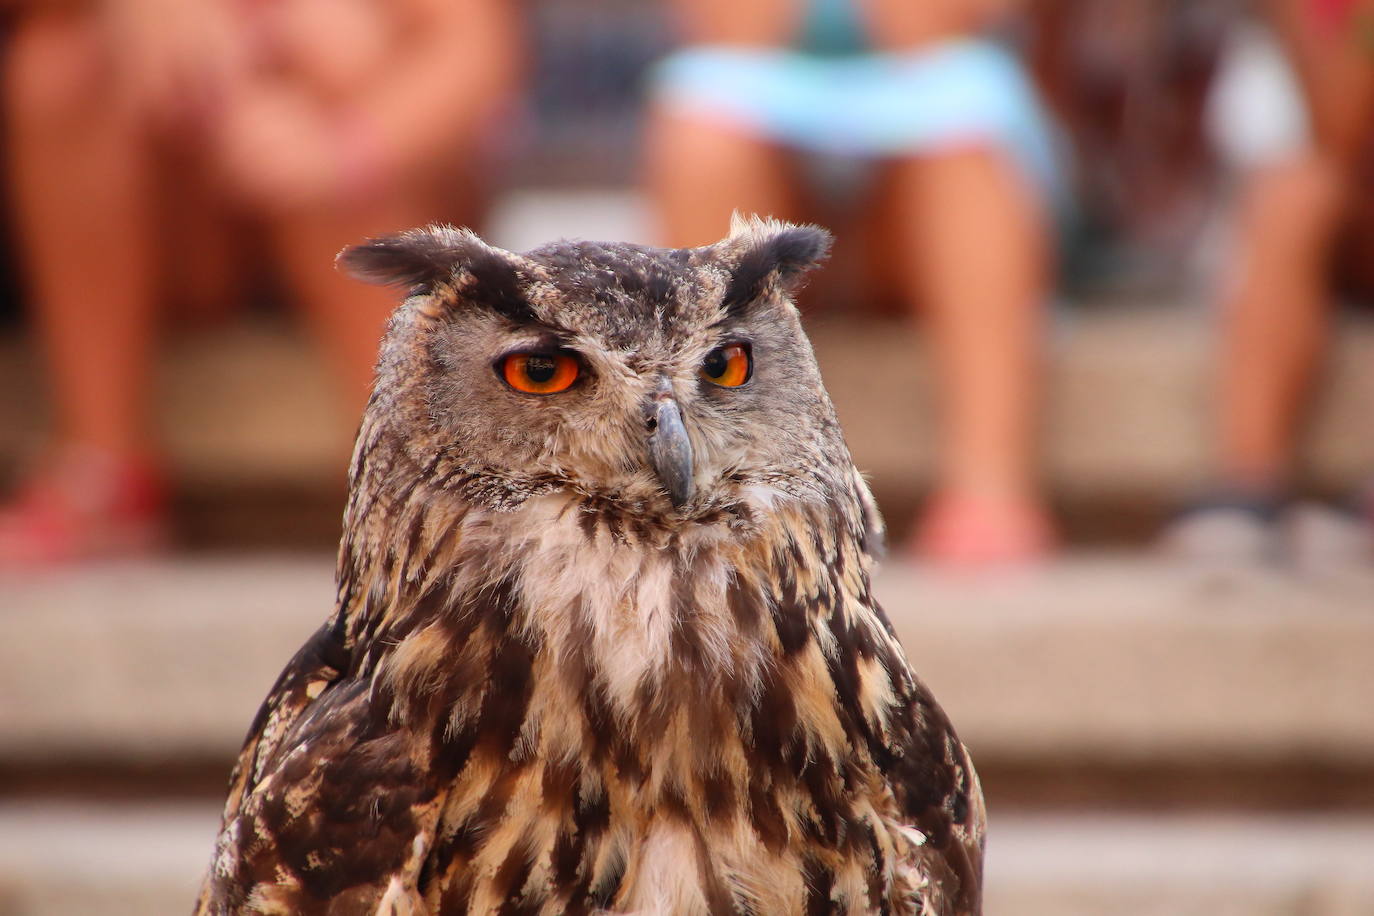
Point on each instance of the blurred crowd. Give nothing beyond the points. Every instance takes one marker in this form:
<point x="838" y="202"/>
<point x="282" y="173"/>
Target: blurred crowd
<point x="178" y="154"/>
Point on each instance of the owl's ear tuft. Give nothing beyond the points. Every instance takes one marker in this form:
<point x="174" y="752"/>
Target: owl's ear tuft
<point x="771" y="250"/>
<point x="420" y="259"/>
<point x="415" y="258"/>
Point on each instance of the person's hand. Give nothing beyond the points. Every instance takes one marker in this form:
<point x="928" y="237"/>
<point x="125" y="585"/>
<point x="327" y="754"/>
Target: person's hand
<point x="174" y="58"/>
<point x="281" y="149"/>
<point x="336" y="46"/>
<point x="273" y="146"/>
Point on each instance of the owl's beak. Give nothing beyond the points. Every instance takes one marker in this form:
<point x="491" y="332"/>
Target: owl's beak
<point x="669" y="448"/>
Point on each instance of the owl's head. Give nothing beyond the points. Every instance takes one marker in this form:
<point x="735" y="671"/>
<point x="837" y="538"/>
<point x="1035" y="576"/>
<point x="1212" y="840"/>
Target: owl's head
<point x="666" y="383"/>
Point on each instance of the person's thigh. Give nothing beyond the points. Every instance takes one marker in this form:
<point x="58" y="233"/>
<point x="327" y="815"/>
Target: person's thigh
<point x="700" y="170"/>
<point x="1330" y="48"/>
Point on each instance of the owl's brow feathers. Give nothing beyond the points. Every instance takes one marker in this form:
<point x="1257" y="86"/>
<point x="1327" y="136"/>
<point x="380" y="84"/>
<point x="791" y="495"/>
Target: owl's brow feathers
<point x="421" y="259"/>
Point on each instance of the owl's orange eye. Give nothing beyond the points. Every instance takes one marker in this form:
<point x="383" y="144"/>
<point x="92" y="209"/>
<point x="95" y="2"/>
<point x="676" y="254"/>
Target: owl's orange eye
<point x="729" y="366"/>
<point x="539" y="373"/>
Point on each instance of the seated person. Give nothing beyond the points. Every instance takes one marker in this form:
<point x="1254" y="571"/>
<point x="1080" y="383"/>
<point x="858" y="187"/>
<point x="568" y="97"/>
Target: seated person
<point x="962" y="151"/>
<point x="1292" y="110"/>
<point x="140" y="131"/>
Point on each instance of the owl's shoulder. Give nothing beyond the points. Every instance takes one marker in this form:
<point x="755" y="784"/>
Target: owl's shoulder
<point x="328" y="802"/>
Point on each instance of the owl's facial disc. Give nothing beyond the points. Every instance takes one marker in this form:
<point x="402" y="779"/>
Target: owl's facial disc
<point x="670" y="450"/>
<point x="584" y="366"/>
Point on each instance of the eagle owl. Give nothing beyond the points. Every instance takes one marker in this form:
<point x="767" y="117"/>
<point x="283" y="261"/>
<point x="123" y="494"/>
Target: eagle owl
<point x="604" y="639"/>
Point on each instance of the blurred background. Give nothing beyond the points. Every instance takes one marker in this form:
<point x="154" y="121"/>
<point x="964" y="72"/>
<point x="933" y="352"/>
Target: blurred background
<point x="1098" y="327"/>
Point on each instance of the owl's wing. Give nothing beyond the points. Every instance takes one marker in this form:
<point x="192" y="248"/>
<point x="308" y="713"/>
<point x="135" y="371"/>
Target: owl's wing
<point x="934" y="783"/>
<point x="953" y="824"/>
<point x="328" y="806"/>
<point x="926" y="767"/>
<point x="317" y="664"/>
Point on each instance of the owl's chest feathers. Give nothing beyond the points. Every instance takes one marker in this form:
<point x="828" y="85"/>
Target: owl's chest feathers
<point x="613" y="621"/>
<point x="665" y="661"/>
<point x="700" y="717"/>
<point x="629" y="620"/>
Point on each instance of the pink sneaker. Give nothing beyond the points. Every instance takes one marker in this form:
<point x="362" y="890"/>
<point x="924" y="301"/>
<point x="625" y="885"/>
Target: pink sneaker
<point x="972" y="532"/>
<point x="83" y="505"/>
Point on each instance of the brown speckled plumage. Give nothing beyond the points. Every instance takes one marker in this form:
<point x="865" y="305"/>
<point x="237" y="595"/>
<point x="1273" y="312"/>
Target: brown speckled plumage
<point x="546" y="687"/>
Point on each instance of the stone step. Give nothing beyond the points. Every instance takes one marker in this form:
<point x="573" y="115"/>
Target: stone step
<point x="58" y="858"/>
<point x="1097" y="659"/>
<point x="251" y="405"/>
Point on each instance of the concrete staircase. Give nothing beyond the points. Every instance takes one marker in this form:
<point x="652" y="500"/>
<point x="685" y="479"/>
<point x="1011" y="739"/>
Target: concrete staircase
<point x="1107" y="659"/>
<point x="1152" y="739"/>
<point x="257" y="442"/>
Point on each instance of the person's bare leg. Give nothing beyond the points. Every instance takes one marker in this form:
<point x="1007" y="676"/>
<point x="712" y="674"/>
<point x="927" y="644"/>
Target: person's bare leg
<point x="80" y="190"/>
<point x="347" y="316"/>
<point x="699" y="172"/>
<point x="897" y="25"/>
<point x="1275" y="321"/>
<point x="978" y="264"/>
<point x="973" y="246"/>
<point x="1275" y="318"/>
<point x="79" y="186"/>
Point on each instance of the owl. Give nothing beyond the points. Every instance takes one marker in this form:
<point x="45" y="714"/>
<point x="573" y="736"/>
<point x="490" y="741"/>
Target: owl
<point x="605" y="639"/>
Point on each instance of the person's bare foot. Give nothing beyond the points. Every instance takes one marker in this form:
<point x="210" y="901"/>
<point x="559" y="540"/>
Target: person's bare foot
<point x="83" y="505"/>
<point x="977" y="531"/>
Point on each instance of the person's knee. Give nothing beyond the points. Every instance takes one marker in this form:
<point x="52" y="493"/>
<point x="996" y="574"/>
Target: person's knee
<point x="53" y="68"/>
<point x="1303" y="189"/>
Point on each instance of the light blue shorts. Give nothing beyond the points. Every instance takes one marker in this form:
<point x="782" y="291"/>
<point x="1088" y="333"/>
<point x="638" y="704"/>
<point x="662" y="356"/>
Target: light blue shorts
<point x="869" y="105"/>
